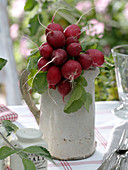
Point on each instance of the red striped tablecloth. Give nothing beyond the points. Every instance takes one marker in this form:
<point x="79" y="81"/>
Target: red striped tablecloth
<point x="104" y="122"/>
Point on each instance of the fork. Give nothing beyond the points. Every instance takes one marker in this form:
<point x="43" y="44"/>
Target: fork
<point x="107" y="160"/>
<point x="122" y="154"/>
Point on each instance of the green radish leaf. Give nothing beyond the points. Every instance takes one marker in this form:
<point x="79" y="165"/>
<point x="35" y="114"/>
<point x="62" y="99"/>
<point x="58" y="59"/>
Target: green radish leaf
<point x="34" y="24"/>
<point x="32" y="63"/>
<point x="28" y="164"/>
<point x="6" y="151"/>
<point x="9" y="130"/>
<point x="9" y="127"/>
<point x="67" y="16"/>
<point x="74" y="106"/>
<point x="2" y="63"/>
<point x="22" y="154"/>
<point x="82" y="72"/>
<point x="31" y="77"/>
<point x="40" y="83"/>
<point x="33" y="53"/>
<point x="88" y="45"/>
<point x="32" y="60"/>
<point x="94" y="46"/>
<point x="88" y="101"/>
<point x="78" y="98"/>
<point x="81" y="80"/>
<point x="74" y="103"/>
<point x="84" y="96"/>
<point x="46" y="4"/>
<point x="30" y="4"/>
<point x="39" y="150"/>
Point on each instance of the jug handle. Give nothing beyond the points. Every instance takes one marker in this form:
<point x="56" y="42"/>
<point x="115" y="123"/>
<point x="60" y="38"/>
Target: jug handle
<point x="24" y="87"/>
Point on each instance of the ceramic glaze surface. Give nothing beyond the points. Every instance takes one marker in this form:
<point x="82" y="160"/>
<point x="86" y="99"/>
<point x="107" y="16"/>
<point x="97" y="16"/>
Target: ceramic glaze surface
<point x="69" y="136"/>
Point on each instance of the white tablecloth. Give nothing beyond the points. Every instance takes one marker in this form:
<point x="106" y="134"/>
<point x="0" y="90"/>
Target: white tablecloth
<point x="104" y="122"/>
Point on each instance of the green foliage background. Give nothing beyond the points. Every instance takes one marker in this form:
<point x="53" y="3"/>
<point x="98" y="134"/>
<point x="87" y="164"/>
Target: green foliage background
<point x="115" y="33"/>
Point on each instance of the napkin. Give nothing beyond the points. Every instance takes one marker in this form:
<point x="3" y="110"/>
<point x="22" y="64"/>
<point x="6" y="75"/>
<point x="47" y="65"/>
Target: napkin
<point x="7" y="114"/>
<point x="113" y="142"/>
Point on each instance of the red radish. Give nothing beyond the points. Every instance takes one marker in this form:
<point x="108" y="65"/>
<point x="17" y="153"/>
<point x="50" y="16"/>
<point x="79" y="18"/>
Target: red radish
<point x="64" y="87"/>
<point x="42" y="62"/>
<point x="85" y="60"/>
<point x="70" y="40"/>
<point x="74" y="49"/>
<point x="54" y="75"/>
<point x="52" y="87"/>
<point x="45" y="50"/>
<point x="56" y="39"/>
<point x="97" y="57"/>
<point x="45" y="43"/>
<point x="60" y="56"/>
<point x="72" y="30"/>
<point x="53" y="27"/>
<point x="71" y="69"/>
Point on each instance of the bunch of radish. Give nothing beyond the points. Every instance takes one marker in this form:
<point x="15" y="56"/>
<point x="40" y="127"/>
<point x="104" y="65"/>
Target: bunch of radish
<point x="63" y="59"/>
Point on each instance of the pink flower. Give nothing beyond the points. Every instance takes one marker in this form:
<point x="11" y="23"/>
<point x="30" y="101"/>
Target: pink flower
<point x="95" y="28"/>
<point x="93" y="21"/>
<point x="14" y="31"/>
<point x="101" y="5"/>
<point x="24" y="50"/>
<point x="125" y="12"/>
<point x="84" y="6"/>
<point x="17" y="8"/>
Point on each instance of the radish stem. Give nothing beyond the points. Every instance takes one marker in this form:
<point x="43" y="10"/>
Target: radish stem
<point x="42" y="24"/>
<point x="41" y="68"/>
<point x="83" y="15"/>
<point x="57" y="11"/>
<point x="83" y="40"/>
<point x="51" y="97"/>
<point x="39" y="71"/>
<point x="31" y="41"/>
<point x="112" y="65"/>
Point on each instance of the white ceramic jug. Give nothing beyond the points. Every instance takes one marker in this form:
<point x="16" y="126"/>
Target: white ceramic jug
<point x="69" y="136"/>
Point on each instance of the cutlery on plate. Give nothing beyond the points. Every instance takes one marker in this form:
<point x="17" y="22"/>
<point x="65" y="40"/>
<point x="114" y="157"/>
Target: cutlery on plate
<point x="122" y="153"/>
<point x="108" y="158"/>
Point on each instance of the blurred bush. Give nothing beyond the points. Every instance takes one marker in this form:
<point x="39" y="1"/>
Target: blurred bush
<point x="105" y="22"/>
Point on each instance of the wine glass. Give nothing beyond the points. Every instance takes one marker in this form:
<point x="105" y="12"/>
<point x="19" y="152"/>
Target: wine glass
<point x="120" y="55"/>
